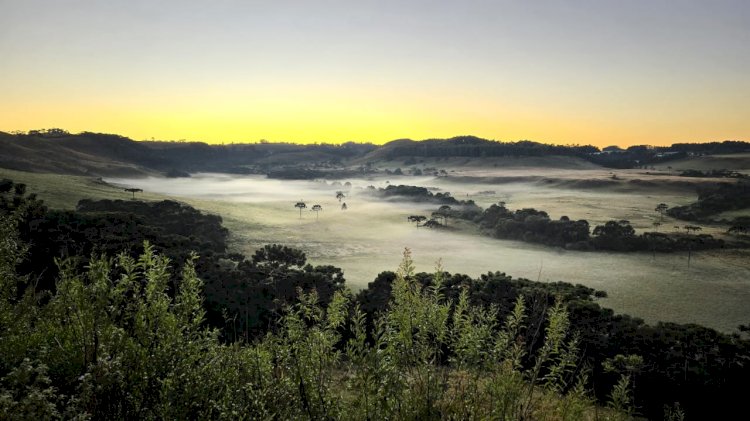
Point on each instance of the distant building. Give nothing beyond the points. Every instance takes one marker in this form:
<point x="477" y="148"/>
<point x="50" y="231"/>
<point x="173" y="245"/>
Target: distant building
<point x="665" y="154"/>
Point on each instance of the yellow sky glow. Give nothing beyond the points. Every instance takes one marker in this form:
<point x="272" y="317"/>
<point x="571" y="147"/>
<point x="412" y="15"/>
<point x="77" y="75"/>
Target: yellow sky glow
<point x="612" y="72"/>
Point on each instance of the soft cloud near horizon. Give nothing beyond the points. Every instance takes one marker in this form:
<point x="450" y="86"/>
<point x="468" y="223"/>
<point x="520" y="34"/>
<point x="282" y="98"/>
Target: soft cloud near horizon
<point x="597" y="72"/>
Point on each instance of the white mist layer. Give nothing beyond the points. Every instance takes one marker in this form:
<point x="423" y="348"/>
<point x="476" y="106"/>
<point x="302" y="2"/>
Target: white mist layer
<point x="371" y="234"/>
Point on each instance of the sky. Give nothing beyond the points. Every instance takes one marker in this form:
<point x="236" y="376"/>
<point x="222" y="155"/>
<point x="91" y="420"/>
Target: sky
<point x="594" y="72"/>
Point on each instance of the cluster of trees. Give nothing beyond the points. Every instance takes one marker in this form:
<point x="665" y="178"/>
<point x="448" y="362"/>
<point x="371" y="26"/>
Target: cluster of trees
<point x="713" y="173"/>
<point x="536" y="226"/>
<point x="237" y="157"/>
<point x="157" y="332"/>
<point x="54" y="132"/>
<point x="113" y="342"/>
<point x="444" y="213"/>
<point x="420" y="195"/>
<point x="471" y="146"/>
<point x="715" y="199"/>
<point x="240" y="291"/>
<point x="644" y="155"/>
<point x="632" y="157"/>
<point x="689" y="364"/>
<point x="533" y="226"/>
<point x="741" y="228"/>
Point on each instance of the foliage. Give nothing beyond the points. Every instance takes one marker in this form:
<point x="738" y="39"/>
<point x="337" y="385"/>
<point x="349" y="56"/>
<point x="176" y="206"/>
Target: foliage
<point x="85" y="334"/>
<point x="536" y="226"/>
<point x="420" y="194"/>
<point x="112" y="343"/>
<point x="688" y="364"/>
<point x="713" y="200"/>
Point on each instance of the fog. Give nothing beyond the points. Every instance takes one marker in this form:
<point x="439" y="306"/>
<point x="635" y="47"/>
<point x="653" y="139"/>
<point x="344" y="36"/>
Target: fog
<point x="371" y="234"/>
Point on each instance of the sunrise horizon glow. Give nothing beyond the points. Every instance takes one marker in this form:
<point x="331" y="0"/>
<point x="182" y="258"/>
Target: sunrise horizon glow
<point x="591" y="72"/>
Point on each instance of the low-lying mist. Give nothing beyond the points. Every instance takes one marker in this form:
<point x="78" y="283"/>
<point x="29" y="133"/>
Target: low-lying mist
<point x="371" y="234"/>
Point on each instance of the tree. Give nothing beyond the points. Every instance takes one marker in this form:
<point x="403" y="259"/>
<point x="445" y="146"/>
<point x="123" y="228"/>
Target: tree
<point x="613" y="228"/>
<point x="343" y="206"/>
<point x="340" y="195"/>
<point x="661" y="208"/>
<point x="692" y="228"/>
<point x="443" y="212"/>
<point x="316" y="209"/>
<point x="416" y="218"/>
<point x="432" y="223"/>
<point x="737" y="230"/>
<point x="134" y="191"/>
<point x="301" y="205"/>
<point x="690" y="241"/>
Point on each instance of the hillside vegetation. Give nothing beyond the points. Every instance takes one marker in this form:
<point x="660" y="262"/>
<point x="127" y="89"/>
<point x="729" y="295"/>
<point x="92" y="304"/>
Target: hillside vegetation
<point x="134" y="334"/>
<point x="99" y="154"/>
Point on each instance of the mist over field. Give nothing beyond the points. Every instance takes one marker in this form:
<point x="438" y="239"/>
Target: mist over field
<point x="371" y="234"/>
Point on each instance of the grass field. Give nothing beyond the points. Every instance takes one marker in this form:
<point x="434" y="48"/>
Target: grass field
<point x="370" y="236"/>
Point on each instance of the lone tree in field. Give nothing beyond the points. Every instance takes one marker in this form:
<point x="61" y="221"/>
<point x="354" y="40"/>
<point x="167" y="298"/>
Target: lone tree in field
<point x="340" y="195"/>
<point x="134" y="191"/>
<point x="301" y="205"/>
<point x="661" y="208"/>
<point x="316" y="209"/>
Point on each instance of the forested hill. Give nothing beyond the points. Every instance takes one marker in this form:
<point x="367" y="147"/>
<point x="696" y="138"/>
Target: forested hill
<point x="105" y="154"/>
<point x="471" y="146"/>
<point x="88" y="153"/>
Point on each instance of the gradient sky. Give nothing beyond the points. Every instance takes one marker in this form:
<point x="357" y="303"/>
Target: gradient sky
<point x="591" y="72"/>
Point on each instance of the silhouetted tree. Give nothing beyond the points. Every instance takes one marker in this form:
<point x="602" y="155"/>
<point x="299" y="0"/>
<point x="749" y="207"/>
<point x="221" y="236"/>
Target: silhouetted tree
<point x="691" y="240"/>
<point x="316" y="209"/>
<point x="432" y="223"/>
<point x="134" y="191"/>
<point x="443" y="212"/>
<point x="340" y="195"/>
<point x="737" y="230"/>
<point x="301" y="205"/>
<point x="661" y="208"/>
<point x="692" y="228"/>
<point x="417" y="219"/>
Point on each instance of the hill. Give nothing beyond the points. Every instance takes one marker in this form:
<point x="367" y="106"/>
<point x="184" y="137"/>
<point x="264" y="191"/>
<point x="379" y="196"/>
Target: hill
<point x="471" y="146"/>
<point x="86" y="153"/>
<point x="735" y="162"/>
<point x="112" y="155"/>
<point x="82" y="154"/>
